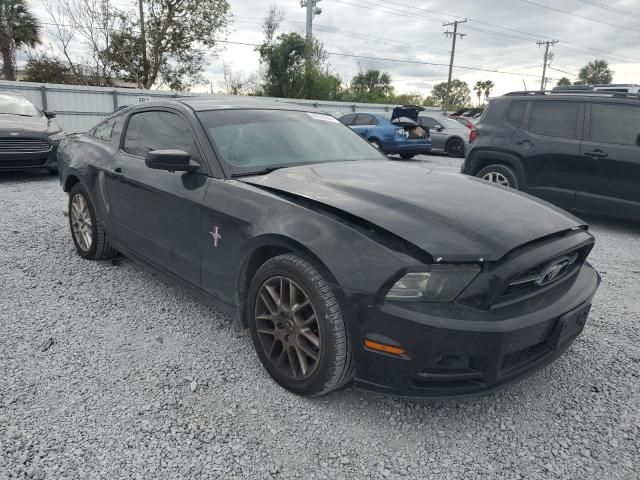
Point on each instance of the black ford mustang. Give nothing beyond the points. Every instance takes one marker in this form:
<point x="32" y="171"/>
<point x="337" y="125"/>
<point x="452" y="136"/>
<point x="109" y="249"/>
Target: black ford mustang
<point x="341" y="263"/>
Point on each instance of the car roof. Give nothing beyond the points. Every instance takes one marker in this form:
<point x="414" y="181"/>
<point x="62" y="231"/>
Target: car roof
<point x="200" y="104"/>
<point x="581" y="96"/>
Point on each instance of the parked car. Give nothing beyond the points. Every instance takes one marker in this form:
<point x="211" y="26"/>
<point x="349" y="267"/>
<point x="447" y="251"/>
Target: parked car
<point x="28" y="137"/>
<point x="341" y="263"/>
<point x="466" y="121"/>
<point x="388" y="137"/>
<point x="447" y="135"/>
<point x="579" y="151"/>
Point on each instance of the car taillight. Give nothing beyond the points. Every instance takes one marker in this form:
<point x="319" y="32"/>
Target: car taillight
<point x="473" y="136"/>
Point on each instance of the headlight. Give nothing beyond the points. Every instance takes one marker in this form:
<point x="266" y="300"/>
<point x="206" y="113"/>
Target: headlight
<point x="56" y="136"/>
<point x="443" y="283"/>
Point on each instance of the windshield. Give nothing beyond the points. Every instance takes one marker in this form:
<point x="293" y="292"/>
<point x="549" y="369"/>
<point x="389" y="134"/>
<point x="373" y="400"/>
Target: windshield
<point x="18" y="106"/>
<point x="255" y="140"/>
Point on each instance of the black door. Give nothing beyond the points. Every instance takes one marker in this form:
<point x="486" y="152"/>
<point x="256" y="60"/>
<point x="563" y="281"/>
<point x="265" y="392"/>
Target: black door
<point x="549" y="145"/>
<point x="157" y="213"/>
<point x="612" y="150"/>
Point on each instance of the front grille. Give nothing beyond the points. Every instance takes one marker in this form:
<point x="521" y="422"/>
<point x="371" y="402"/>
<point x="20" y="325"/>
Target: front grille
<point x="523" y="357"/>
<point x="544" y="274"/>
<point x="22" y="163"/>
<point x="24" y="145"/>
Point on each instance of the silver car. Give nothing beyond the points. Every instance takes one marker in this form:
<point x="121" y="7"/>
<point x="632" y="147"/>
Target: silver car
<point x="447" y="135"/>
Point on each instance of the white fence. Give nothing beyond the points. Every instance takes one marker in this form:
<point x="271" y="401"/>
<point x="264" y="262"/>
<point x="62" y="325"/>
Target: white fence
<point x="78" y="108"/>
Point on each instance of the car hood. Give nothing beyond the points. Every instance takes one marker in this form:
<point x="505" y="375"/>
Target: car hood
<point x="451" y="216"/>
<point x="16" y="123"/>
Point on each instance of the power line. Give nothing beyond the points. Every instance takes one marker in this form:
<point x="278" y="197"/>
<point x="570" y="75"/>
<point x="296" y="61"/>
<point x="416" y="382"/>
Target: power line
<point x="580" y="16"/>
<point x="489" y="32"/>
<point x="609" y="8"/>
<point x="561" y="71"/>
<point x="397" y="60"/>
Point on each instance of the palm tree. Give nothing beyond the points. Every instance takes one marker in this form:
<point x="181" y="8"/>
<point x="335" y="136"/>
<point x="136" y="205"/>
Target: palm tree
<point x="595" y="72"/>
<point x="18" y="28"/>
<point x="488" y="86"/>
<point x="479" y="89"/>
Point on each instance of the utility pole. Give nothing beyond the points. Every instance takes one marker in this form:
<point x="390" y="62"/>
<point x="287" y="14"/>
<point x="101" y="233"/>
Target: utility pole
<point x="145" y="70"/>
<point x="547" y="57"/>
<point x="455" y="35"/>
<point x="312" y="11"/>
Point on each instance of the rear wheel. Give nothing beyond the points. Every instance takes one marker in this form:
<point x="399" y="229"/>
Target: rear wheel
<point x="455" y="147"/>
<point x="407" y="156"/>
<point x="88" y="235"/>
<point x="500" y="174"/>
<point x="376" y="143"/>
<point x="297" y="327"/>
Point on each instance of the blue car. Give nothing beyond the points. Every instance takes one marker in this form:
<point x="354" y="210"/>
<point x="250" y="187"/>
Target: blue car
<point x="400" y="135"/>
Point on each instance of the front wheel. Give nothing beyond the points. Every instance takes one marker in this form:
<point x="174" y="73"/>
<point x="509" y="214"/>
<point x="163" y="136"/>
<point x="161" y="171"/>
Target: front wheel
<point x="88" y="235"/>
<point x="500" y="174"/>
<point x="297" y="327"/>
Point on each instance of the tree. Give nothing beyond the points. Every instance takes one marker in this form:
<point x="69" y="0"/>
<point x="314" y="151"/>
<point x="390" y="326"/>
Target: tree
<point x="44" y="68"/>
<point x="411" y="98"/>
<point x="18" y="28"/>
<point x="488" y="87"/>
<point x="271" y="24"/>
<point x="237" y="84"/>
<point x="563" y="82"/>
<point x="459" y="96"/>
<point x="165" y="45"/>
<point x="371" y="85"/>
<point x="291" y="66"/>
<point x="595" y="72"/>
<point x="94" y="22"/>
<point x="479" y="89"/>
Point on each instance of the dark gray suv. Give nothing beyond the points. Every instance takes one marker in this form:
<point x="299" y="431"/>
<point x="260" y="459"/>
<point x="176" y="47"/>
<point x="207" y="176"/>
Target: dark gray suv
<point x="579" y="151"/>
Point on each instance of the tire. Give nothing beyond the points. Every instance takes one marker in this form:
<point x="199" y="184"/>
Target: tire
<point x="500" y="174"/>
<point x="281" y="334"/>
<point x="376" y="143"/>
<point x="93" y="243"/>
<point x="455" y="148"/>
<point x="407" y="156"/>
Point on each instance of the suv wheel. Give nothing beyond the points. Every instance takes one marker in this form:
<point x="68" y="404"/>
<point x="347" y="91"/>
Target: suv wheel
<point x="500" y="174"/>
<point x="297" y="327"/>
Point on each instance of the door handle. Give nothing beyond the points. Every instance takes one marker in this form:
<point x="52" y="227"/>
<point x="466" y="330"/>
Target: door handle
<point x="115" y="173"/>
<point x="596" y="154"/>
<point x="525" y="143"/>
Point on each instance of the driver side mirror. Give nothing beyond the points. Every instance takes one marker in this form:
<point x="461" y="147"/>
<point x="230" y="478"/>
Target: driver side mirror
<point x="439" y="128"/>
<point x="171" y="160"/>
<point x="49" y="114"/>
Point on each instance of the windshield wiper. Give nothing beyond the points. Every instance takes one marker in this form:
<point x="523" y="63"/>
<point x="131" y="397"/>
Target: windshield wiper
<point x="264" y="171"/>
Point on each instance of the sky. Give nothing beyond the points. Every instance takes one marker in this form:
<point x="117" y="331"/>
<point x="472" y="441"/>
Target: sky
<point x="500" y="35"/>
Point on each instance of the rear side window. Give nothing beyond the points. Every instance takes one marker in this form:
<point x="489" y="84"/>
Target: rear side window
<point x="348" y="119"/>
<point x="619" y="124"/>
<point x="554" y="119"/>
<point x="148" y="131"/>
<point x="429" y="122"/>
<point x="104" y="131"/>
<point x="516" y="112"/>
<point x="364" y="120"/>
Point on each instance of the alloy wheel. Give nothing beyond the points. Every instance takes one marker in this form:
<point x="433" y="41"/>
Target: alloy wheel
<point x="456" y="148"/>
<point x="287" y="327"/>
<point x="496" y="177"/>
<point x="81" y="222"/>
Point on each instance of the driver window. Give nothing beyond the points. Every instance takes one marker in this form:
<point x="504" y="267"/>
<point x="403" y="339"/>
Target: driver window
<point x="148" y="131"/>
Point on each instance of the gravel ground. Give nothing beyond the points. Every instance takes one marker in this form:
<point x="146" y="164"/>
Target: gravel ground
<point x="107" y="371"/>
